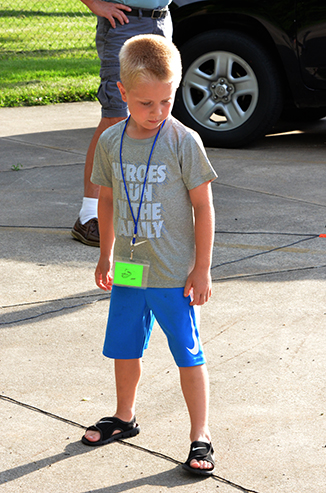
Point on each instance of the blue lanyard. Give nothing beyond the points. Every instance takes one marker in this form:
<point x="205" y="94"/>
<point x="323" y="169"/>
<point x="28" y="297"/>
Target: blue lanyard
<point x="136" y="220"/>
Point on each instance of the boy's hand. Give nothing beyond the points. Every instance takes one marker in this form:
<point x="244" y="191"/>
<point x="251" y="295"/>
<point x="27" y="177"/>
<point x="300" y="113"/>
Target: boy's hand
<point x="198" y="286"/>
<point x="103" y="278"/>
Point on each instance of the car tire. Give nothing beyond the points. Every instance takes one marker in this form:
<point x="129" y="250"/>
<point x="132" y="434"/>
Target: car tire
<point x="231" y="91"/>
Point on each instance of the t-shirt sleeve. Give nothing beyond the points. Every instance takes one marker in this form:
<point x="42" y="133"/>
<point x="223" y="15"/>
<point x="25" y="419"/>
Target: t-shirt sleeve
<point x="195" y="165"/>
<point x="102" y="169"/>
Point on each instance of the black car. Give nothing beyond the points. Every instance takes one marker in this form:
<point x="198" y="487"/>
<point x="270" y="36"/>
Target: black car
<point x="247" y="63"/>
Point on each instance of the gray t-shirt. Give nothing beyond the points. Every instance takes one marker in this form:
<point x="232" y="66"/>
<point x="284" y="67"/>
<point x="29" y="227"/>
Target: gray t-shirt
<point x="166" y="225"/>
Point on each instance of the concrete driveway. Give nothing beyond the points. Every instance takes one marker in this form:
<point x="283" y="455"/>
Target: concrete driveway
<point x="263" y="330"/>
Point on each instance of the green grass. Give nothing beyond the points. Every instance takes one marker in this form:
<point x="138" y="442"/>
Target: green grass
<point x="37" y="81"/>
<point x="47" y="52"/>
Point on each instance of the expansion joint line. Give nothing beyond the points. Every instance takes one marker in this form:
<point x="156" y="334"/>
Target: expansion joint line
<point x="56" y="300"/>
<point x="122" y="442"/>
<point x="270" y="273"/>
<point x="49" y="312"/>
<point x="266" y="251"/>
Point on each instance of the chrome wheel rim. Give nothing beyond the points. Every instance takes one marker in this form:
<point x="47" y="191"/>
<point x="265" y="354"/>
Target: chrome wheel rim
<point x="220" y="91"/>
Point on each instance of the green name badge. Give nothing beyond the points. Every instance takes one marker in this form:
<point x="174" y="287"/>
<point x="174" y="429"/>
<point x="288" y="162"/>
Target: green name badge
<point x="130" y="274"/>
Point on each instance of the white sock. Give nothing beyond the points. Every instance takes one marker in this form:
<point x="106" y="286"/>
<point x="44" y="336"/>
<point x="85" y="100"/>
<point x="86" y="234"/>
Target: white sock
<point x="88" y="210"/>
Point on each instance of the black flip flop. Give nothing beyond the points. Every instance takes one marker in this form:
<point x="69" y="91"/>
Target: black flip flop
<point x="106" y="427"/>
<point x="200" y="451"/>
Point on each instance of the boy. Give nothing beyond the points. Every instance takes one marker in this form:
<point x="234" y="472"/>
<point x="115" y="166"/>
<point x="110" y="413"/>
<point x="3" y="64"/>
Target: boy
<point x="156" y="210"/>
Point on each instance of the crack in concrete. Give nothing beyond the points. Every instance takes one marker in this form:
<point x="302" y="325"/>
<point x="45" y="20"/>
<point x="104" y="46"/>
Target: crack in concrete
<point x="25" y="469"/>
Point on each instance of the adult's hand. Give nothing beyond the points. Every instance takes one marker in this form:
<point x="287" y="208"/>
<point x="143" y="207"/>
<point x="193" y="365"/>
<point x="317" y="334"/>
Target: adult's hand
<point x="109" y="10"/>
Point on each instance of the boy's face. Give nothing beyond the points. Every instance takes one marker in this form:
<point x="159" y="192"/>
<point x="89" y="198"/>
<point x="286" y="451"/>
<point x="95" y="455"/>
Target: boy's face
<point x="149" y="104"/>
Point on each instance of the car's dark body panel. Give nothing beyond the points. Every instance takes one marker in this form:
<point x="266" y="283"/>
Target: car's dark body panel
<point x="311" y="42"/>
<point x="293" y="32"/>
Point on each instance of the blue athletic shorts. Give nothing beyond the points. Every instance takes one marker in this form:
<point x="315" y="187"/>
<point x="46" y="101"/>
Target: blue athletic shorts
<point x="131" y="317"/>
<point x="109" y="41"/>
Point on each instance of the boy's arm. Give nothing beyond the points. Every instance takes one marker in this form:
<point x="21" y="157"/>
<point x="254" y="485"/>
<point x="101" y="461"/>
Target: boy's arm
<point x="105" y="219"/>
<point x="199" y="280"/>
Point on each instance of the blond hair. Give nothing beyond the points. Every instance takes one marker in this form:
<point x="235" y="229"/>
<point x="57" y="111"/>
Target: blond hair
<point x="149" y="56"/>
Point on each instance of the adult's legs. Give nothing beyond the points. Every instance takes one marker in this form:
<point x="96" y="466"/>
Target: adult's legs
<point x="86" y="227"/>
<point x="91" y="190"/>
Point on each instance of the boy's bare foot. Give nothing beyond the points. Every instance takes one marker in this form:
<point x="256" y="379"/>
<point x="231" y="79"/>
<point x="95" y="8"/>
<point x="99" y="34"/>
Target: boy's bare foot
<point x="108" y="430"/>
<point x="200" y="459"/>
<point x="94" y="436"/>
<point x="202" y="464"/>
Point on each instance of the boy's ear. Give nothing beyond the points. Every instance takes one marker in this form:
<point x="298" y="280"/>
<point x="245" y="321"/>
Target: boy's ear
<point x="122" y="91"/>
